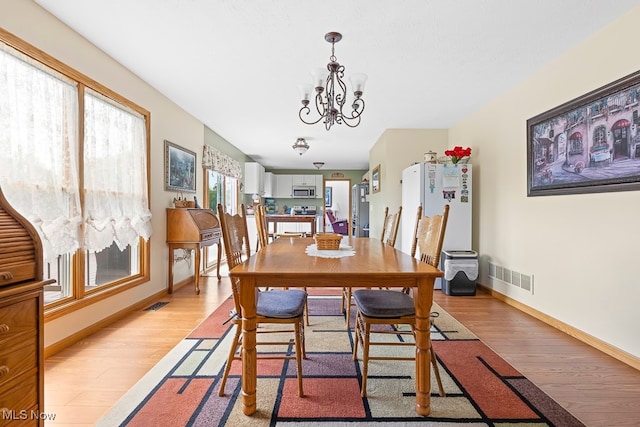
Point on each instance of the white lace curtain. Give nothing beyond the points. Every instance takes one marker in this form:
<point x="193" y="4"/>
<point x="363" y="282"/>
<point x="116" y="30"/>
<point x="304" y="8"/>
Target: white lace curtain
<point x="220" y="162"/>
<point x="115" y="175"/>
<point x="39" y="157"/>
<point x="38" y="149"/>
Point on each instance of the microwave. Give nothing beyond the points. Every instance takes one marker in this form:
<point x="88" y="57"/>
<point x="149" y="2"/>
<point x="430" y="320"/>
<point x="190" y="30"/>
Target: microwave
<point x="303" y="192"/>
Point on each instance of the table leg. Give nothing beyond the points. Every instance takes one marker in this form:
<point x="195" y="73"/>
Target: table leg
<point x="249" y="352"/>
<point x="423" y="301"/>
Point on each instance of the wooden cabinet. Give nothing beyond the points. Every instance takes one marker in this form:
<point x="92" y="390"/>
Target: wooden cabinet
<point x="21" y="352"/>
<point x="21" y="320"/>
<point x="253" y="178"/>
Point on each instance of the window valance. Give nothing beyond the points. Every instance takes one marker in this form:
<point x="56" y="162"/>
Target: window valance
<point x="220" y="162"/>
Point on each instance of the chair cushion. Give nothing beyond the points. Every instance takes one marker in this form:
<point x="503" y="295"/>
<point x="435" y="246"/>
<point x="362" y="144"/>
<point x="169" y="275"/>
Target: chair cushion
<point x="281" y="304"/>
<point x="384" y="303"/>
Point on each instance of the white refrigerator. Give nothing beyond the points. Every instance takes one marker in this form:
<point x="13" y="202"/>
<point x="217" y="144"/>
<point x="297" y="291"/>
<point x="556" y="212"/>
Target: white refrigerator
<point x="432" y="186"/>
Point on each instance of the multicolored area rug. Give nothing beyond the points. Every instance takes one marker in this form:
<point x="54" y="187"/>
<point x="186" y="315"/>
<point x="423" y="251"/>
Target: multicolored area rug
<point x="481" y="388"/>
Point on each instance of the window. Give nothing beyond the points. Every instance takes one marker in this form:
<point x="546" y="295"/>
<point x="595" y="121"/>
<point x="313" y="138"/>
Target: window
<point x="77" y="170"/>
<point x="224" y="190"/>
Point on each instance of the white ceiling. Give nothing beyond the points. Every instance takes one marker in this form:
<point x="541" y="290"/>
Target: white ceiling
<point x="236" y="64"/>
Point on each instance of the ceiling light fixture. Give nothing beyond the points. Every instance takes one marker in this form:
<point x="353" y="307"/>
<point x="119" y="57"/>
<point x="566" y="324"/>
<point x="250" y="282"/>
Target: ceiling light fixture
<point x="318" y="165"/>
<point x="331" y="92"/>
<point x="300" y="146"/>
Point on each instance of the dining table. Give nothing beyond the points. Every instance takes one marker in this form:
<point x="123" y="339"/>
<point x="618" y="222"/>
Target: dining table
<point x="366" y="262"/>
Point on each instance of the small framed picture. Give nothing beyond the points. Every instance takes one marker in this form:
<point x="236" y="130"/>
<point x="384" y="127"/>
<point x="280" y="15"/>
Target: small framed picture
<point x="328" y="196"/>
<point x="375" y="179"/>
<point x="179" y="168"/>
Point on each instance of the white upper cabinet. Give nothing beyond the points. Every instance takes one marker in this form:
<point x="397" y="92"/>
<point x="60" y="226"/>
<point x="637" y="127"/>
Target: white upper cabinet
<point x="269" y="184"/>
<point x="253" y="178"/>
<point x="319" y="186"/>
<point x="305" y="180"/>
<point x="284" y="183"/>
<point x="283" y="186"/>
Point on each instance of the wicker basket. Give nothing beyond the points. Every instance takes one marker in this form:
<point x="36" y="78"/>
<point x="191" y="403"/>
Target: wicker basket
<point x="328" y="241"/>
<point x="184" y="204"/>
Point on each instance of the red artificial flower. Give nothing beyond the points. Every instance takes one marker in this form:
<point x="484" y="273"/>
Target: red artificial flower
<point x="457" y="153"/>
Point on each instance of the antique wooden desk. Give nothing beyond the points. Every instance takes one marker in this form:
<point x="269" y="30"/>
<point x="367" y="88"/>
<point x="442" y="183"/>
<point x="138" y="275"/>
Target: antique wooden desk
<point x="192" y="228"/>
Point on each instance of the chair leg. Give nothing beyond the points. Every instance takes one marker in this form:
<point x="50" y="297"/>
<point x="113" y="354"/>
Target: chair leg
<point x="302" y="340"/>
<point x="232" y="352"/>
<point x="436" y="371"/>
<point x="298" y="338"/>
<point x="357" y="337"/>
<point x="306" y="307"/>
<point x="365" y="358"/>
<point x="348" y="307"/>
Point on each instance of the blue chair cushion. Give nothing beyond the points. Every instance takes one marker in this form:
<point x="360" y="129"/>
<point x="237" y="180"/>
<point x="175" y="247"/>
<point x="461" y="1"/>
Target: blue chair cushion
<point x="384" y="303"/>
<point x="281" y="304"/>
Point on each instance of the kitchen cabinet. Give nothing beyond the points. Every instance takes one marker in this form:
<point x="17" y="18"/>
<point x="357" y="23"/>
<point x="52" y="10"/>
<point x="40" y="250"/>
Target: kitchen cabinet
<point x="284" y="182"/>
<point x="306" y="180"/>
<point x="253" y="178"/>
<point x="319" y="187"/>
<point x="283" y="186"/>
<point x="269" y="184"/>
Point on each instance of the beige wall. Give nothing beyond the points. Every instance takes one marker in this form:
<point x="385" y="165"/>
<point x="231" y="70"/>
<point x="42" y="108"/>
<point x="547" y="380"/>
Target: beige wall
<point x="581" y="249"/>
<point x="394" y="151"/>
<point x="36" y="26"/>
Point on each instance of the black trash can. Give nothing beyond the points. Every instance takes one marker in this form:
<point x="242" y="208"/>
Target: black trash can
<point x="460" y="272"/>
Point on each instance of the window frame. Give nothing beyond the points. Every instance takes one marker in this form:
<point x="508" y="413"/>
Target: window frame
<point x="80" y="297"/>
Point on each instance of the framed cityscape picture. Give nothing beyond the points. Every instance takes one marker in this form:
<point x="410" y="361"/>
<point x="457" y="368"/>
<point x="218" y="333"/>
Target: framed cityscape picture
<point x="587" y="145"/>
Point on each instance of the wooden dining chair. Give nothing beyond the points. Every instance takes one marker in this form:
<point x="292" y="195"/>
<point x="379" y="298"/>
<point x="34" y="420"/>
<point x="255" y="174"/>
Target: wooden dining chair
<point x="390" y="226"/>
<point x="393" y="308"/>
<point x="261" y="226"/>
<point x="281" y="307"/>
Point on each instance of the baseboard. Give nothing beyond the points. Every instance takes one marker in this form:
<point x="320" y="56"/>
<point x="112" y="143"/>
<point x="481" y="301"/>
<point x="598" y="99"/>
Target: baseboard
<point x="78" y="336"/>
<point x="592" y="341"/>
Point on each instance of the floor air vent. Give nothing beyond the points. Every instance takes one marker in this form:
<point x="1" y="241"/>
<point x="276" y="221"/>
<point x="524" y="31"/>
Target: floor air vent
<point x="157" y="306"/>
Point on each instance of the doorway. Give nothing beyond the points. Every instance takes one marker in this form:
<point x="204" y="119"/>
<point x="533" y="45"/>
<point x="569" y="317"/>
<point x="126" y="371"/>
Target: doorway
<point x="337" y="199"/>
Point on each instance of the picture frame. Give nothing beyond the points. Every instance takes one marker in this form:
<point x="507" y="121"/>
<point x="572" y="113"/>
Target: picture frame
<point x="375" y="179"/>
<point x="328" y="196"/>
<point x="179" y="168"/>
<point x="590" y="144"/>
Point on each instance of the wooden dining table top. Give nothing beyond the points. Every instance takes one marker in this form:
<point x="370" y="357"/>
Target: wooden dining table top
<point x="286" y="263"/>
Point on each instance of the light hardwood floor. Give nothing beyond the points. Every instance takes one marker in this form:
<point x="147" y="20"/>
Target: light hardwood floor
<point x="83" y="381"/>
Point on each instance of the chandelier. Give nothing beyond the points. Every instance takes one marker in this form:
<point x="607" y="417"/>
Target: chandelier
<point x="331" y="92"/>
<point x="300" y="146"/>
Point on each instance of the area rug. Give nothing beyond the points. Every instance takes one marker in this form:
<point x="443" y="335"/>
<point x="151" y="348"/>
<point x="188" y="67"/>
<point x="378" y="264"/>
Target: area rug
<point x="481" y="388"/>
